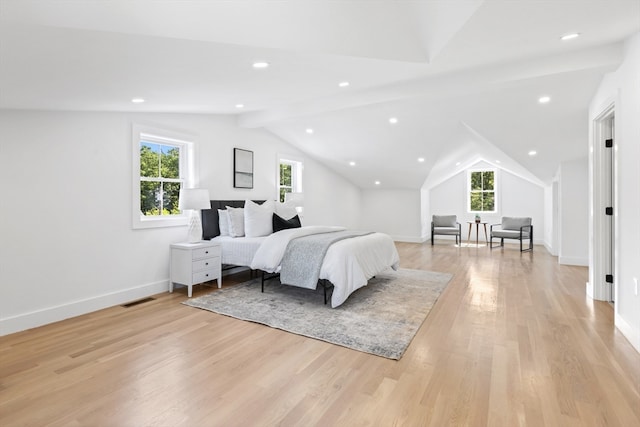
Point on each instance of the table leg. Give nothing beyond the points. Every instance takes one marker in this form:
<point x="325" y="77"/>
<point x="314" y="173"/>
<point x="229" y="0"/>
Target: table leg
<point x="469" y="236"/>
<point x="477" y="233"/>
<point x="486" y="239"/>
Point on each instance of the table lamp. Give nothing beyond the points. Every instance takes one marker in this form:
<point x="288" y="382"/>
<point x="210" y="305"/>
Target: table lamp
<point x="194" y="199"/>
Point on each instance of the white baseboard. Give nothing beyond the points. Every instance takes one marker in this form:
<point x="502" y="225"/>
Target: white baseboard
<point x="584" y="262"/>
<point x="549" y="249"/>
<point x="633" y="335"/>
<point x="33" y="319"/>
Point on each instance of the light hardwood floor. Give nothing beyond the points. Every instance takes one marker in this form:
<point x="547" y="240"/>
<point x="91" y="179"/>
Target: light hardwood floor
<point x="512" y="341"/>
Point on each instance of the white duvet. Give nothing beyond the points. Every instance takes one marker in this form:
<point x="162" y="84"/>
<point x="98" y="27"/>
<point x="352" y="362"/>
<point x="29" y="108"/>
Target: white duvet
<point x="348" y="264"/>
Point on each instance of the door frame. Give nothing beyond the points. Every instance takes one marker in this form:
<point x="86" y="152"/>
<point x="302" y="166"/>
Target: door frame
<point x="598" y="288"/>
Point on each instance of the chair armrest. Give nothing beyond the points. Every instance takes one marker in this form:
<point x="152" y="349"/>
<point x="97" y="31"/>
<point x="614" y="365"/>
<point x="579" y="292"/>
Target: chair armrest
<point x="530" y="227"/>
<point x="491" y="226"/>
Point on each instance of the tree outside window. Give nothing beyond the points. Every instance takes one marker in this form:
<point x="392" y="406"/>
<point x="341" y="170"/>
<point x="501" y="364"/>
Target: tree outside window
<point x="286" y="183"/>
<point x="289" y="177"/>
<point x="482" y="192"/>
<point x="160" y="180"/>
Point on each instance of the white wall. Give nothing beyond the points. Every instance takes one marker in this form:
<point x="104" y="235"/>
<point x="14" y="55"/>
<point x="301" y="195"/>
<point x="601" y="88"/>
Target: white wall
<point x="621" y="87"/>
<point x="448" y="198"/>
<point x="516" y="197"/>
<point x="67" y="243"/>
<point x="425" y="216"/>
<point x="551" y="217"/>
<point x="573" y="196"/>
<point x="394" y="212"/>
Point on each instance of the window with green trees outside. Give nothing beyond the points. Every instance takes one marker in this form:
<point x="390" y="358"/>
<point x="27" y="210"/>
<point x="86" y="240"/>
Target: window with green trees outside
<point x="289" y="177"/>
<point x="160" y="178"/>
<point x="286" y="186"/>
<point x="482" y="191"/>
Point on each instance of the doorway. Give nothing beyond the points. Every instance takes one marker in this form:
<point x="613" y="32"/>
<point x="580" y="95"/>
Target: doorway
<point x="604" y="207"/>
<point x="609" y="201"/>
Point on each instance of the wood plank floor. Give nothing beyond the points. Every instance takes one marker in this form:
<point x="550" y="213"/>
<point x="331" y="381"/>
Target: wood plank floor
<point x="513" y="341"/>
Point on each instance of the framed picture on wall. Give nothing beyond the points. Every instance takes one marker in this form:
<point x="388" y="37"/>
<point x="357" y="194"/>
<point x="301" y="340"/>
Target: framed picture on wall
<point x="242" y="168"/>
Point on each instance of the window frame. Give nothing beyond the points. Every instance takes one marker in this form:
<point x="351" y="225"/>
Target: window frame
<point x="494" y="191"/>
<point x="297" y="166"/>
<point x="165" y="137"/>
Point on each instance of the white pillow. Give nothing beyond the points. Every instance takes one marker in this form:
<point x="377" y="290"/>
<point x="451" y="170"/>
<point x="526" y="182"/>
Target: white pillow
<point x="258" y="218"/>
<point x="223" y="222"/>
<point x="236" y="221"/>
<point x="286" y="210"/>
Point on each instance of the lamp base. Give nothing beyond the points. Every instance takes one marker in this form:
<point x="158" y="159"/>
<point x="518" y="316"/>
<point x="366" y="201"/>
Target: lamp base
<point x="194" y="232"/>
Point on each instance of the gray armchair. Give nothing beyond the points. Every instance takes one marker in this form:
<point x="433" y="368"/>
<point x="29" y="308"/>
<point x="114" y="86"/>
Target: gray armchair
<point x="519" y="228"/>
<point x="446" y="225"/>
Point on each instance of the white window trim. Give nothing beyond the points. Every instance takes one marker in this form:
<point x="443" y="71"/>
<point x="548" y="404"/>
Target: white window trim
<point x="152" y="134"/>
<point x="496" y="176"/>
<point x="296" y="178"/>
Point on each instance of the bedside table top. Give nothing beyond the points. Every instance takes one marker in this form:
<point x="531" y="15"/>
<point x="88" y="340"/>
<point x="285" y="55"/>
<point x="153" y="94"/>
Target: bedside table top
<point x="202" y="244"/>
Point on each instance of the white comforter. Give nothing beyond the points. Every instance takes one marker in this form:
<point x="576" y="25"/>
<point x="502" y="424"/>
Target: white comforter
<point x="348" y="264"/>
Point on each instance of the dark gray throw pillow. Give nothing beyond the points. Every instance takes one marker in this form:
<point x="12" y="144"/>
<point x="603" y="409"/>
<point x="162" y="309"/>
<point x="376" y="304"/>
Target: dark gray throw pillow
<point x="280" y="223"/>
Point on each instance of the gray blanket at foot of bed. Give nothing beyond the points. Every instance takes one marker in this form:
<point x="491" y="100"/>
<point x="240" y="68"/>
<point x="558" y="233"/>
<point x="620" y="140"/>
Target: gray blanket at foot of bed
<point x="303" y="257"/>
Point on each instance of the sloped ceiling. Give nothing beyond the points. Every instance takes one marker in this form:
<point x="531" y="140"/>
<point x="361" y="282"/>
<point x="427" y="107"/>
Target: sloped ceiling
<point x="462" y="77"/>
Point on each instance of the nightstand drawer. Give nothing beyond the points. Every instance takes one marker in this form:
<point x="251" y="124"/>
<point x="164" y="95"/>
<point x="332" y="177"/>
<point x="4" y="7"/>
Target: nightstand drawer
<point x="205" y="252"/>
<point x="206" y="275"/>
<point x="206" y="264"/>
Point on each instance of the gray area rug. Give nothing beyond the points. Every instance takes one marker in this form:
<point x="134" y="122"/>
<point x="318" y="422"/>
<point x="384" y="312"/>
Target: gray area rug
<point x="382" y="318"/>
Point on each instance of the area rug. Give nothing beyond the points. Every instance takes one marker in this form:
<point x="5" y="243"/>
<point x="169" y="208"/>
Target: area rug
<point x="381" y="318"/>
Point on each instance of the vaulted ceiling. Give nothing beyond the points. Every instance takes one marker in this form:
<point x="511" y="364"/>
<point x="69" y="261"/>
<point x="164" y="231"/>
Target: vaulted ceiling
<point x="461" y="77"/>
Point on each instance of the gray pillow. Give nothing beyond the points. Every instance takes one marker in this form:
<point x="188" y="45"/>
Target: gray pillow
<point x="444" y="221"/>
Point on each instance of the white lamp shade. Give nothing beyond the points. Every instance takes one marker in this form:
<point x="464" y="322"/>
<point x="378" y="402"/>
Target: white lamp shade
<point x="294" y="199"/>
<point x="194" y="198"/>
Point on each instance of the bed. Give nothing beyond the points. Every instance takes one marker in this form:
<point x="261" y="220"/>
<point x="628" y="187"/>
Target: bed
<point x="347" y="259"/>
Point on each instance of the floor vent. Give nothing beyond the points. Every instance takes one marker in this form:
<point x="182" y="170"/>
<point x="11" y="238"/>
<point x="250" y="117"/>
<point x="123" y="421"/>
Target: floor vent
<point x="140" y="301"/>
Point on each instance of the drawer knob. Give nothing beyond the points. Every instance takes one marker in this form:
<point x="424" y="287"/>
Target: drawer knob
<point x="206" y="263"/>
<point x="206" y="252"/>
<point x="206" y="275"/>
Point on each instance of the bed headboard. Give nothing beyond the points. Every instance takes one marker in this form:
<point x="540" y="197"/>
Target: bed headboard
<point x="210" y="224"/>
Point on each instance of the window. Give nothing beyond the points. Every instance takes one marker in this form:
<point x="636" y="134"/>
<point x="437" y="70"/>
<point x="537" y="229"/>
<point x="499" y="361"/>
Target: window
<point x="289" y="177"/>
<point x="160" y="180"/>
<point x="482" y="191"/>
<point x="161" y="167"/>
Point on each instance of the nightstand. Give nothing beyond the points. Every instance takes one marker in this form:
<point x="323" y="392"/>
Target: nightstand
<point x="194" y="263"/>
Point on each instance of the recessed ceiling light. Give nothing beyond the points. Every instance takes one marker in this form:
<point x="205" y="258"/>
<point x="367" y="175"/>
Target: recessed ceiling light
<point x="343" y="84"/>
<point x="137" y="100"/>
<point x="239" y="105"/>
<point x="498" y="161"/>
<point x="260" y="64"/>
<point x="421" y="159"/>
<point x="533" y="152"/>
<point x="377" y="182"/>
<point x="457" y="163"/>
<point x="570" y="36"/>
<point x="544" y="99"/>
<point x="309" y="131"/>
<point x="393" y="120"/>
<point x="352" y="163"/>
